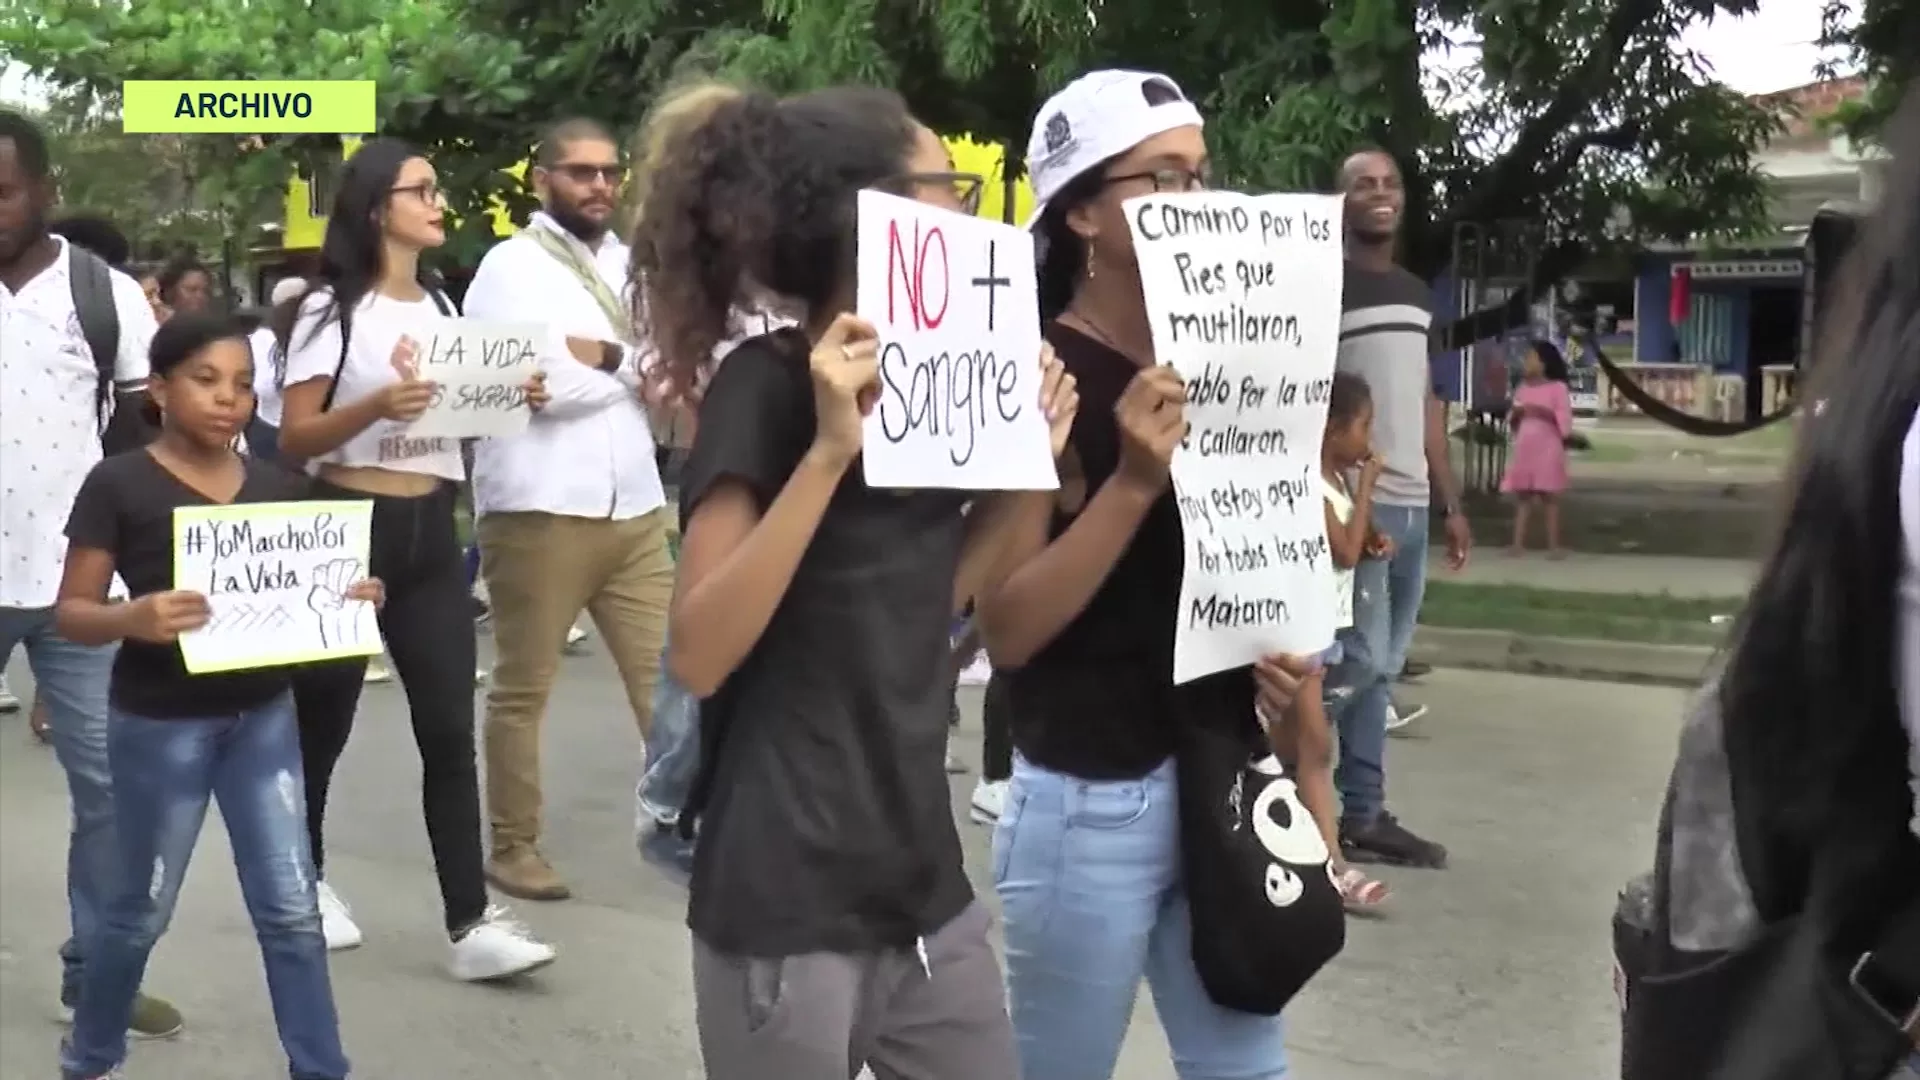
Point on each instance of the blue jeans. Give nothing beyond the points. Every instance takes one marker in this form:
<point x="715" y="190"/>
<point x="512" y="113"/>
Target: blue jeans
<point x="1089" y="880"/>
<point x="72" y="682"/>
<point x="673" y="763"/>
<point x="1386" y="607"/>
<point x="165" y="772"/>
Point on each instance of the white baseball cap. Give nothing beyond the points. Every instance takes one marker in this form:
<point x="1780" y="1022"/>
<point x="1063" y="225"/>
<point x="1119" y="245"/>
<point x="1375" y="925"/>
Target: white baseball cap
<point x="1097" y="116"/>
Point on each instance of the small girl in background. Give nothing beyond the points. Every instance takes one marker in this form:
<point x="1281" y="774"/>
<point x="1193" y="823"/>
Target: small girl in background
<point x="1542" y="415"/>
<point x="1304" y="738"/>
<point x="178" y="740"/>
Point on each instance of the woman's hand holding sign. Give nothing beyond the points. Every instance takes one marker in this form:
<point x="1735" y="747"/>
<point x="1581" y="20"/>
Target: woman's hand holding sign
<point x="846" y="382"/>
<point x="1152" y="415"/>
<point x="536" y="388"/>
<point x="407" y="399"/>
<point x="1059" y="398"/>
<point x="161" y="617"/>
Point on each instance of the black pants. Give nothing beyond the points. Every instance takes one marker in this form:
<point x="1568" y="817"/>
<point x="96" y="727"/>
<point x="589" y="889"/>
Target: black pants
<point x="428" y="627"/>
<point x="996" y="753"/>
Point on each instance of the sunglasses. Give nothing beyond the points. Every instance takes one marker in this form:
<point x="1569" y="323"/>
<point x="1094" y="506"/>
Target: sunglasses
<point x="614" y="175"/>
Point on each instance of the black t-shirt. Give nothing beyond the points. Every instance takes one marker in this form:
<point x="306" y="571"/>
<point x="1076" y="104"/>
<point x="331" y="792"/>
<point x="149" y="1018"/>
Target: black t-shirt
<point x="825" y="824"/>
<point x="1098" y="701"/>
<point x="125" y="506"/>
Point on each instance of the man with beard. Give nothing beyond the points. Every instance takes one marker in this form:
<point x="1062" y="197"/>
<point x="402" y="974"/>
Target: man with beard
<point x="572" y="514"/>
<point x="1385" y="329"/>
<point x="51" y="394"/>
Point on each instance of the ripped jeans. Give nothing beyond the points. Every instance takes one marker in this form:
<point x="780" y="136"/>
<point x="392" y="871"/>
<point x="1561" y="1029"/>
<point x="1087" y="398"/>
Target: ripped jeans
<point x="165" y="773"/>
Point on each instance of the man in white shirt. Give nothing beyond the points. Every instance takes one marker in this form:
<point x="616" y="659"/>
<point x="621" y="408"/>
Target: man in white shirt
<point x="571" y="512"/>
<point x="52" y="420"/>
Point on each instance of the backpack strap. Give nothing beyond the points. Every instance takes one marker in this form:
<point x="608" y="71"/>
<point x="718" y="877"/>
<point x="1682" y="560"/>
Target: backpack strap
<point x="92" y="283"/>
<point x="440" y="301"/>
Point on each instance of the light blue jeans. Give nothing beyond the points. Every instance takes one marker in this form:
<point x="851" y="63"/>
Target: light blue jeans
<point x="165" y="774"/>
<point x="72" y="682"/>
<point x="673" y="763"/>
<point x="1386" y="607"/>
<point x="1089" y="881"/>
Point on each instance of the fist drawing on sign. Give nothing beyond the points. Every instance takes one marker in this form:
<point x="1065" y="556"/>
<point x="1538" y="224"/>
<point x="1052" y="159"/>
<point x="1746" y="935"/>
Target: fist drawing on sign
<point x="336" y="595"/>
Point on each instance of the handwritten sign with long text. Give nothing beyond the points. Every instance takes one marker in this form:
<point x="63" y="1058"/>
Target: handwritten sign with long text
<point x="481" y="370"/>
<point x="276" y="577"/>
<point x="1243" y="292"/>
<point x="953" y="298"/>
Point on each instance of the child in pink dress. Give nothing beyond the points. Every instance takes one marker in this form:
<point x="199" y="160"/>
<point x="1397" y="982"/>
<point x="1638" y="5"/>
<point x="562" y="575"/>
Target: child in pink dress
<point x="1542" y="417"/>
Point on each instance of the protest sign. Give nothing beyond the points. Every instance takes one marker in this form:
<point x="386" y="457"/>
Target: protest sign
<point x="480" y="369"/>
<point x="1243" y="292"/>
<point x="953" y="299"/>
<point x="276" y="577"/>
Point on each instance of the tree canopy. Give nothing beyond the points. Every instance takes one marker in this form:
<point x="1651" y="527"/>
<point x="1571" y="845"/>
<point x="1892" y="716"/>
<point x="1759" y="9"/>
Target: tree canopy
<point x="1881" y="38"/>
<point x="1580" y="127"/>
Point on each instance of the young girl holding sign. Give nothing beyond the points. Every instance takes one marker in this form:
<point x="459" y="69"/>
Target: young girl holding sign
<point x="179" y="740"/>
<point x="832" y="918"/>
<point x="1087" y="853"/>
<point x="352" y="389"/>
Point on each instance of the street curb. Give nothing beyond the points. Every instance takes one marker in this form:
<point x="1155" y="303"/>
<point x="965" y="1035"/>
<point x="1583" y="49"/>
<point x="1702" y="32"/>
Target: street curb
<point x="1571" y="658"/>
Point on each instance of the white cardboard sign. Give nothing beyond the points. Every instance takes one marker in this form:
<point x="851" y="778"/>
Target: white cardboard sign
<point x="480" y="369"/>
<point x="1244" y="293"/>
<point x="954" y="300"/>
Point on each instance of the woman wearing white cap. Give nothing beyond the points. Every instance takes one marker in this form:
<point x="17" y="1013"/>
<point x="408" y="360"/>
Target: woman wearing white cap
<point x="1087" y="852"/>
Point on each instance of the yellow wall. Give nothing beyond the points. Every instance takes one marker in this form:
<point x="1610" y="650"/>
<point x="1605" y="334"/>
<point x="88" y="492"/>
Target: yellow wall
<point x="304" y="230"/>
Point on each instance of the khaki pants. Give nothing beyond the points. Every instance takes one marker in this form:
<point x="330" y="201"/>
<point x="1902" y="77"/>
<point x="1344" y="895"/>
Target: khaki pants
<point x="541" y="570"/>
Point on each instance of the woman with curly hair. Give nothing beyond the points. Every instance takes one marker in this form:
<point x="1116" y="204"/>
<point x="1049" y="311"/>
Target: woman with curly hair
<point x="834" y="927"/>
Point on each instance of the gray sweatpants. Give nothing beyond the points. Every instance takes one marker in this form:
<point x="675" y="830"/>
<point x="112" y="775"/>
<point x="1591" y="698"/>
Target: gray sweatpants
<point x="905" y="1014"/>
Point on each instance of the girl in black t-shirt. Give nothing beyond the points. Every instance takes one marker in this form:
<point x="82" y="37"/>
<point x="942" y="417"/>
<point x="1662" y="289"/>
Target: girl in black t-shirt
<point x="1087" y="853"/>
<point x="179" y="740"/>
<point x="833" y="923"/>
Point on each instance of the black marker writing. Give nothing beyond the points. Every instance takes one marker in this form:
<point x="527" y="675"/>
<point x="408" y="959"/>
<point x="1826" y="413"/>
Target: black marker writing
<point x="948" y="394"/>
<point x="990" y="282"/>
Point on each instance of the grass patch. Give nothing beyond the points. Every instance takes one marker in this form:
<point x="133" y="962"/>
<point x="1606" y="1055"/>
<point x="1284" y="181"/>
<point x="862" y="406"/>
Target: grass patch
<point x="1609" y="452"/>
<point x="1653" y="618"/>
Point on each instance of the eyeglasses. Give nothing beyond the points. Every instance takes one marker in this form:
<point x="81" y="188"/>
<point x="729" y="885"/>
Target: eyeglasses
<point x="426" y="191"/>
<point x="1166" y="181"/>
<point x="581" y="173"/>
<point x="968" y="188"/>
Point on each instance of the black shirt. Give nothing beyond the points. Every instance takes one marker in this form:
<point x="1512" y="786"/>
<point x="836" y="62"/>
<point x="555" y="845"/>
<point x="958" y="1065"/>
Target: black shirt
<point x="1098" y="701"/>
<point x="825" y="824"/>
<point x="125" y="507"/>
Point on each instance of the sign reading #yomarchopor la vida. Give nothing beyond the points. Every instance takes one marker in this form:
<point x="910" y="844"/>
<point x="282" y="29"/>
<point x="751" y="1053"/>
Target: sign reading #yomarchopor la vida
<point x="953" y="299"/>
<point x="480" y="371"/>
<point x="1243" y="292"/>
<point x="248" y="106"/>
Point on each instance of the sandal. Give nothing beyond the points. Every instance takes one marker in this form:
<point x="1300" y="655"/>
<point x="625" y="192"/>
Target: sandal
<point x="1360" y="893"/>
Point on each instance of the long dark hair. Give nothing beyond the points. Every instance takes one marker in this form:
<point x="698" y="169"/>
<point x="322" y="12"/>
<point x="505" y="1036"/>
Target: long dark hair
<point x="353" y="249"/>
<point x="177" y="270"/>
<point x="1812" y="716"/>
<point x="757" y="197"/>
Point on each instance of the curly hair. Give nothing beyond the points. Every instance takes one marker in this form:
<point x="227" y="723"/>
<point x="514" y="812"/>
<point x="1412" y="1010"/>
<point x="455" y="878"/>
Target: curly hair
<point x="751" y="195"/>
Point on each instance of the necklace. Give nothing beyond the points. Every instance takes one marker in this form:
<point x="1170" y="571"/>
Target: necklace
<point x="1100" y="333"/>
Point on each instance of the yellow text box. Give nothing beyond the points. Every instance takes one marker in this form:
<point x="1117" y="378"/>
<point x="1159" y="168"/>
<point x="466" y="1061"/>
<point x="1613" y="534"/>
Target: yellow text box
<point x="248" y="106"/>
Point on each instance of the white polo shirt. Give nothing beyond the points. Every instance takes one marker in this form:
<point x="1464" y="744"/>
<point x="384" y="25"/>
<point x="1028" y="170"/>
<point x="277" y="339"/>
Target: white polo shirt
<point x="49" y="421"/>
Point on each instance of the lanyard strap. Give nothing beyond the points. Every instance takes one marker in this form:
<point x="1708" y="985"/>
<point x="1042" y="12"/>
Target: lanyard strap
<point x="589" y="276"/>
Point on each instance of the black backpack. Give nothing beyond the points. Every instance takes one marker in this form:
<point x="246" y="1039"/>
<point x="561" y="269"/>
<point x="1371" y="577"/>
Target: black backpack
<point x="1730" y="960"/>
<point x="123" y="425"/>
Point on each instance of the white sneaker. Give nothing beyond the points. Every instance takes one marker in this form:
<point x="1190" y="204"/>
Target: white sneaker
<point x="8" y="703"/>
<point x="378" y="672"/>
<point x="336" y="921"/>
<point x="989" y="798"/>
<point x="575" y="635"/>
<point x="499" y="947"/>
<point x="1402" y="713"/>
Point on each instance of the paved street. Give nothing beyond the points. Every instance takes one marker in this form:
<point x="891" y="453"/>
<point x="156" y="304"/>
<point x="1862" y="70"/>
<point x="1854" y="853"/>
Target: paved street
<point x="1493" y="970"/>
